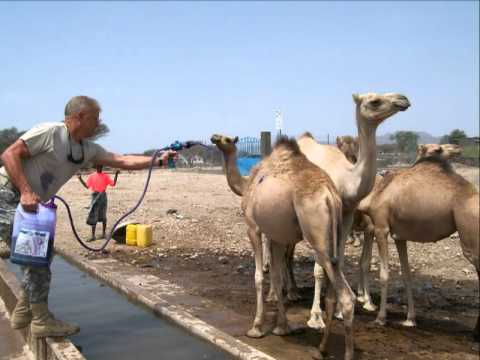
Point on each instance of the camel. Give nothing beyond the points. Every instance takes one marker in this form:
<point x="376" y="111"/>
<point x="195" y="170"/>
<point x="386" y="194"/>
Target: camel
<point x="424" y="203"/>
<point x="348" y="145"/>
<point x="288" y="199"/>
<point x="353" y="181"/>
<point x="445" y="151"/>
<point x="238" y="184"/>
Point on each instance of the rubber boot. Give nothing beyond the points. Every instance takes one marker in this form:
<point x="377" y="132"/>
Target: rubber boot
<point x="21" y="315"/>
<point x="44" y="325"/>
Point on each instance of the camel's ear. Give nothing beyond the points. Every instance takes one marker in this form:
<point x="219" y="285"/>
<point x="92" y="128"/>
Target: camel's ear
<point x="235" y="140"/>
<point x="421" y="149"/>
<point x="357" y="99"/>
<point x="339" y="141"/>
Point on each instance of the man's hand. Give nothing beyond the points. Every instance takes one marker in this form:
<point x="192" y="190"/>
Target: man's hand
<point x="167" y="154"/>
<point x="29" y="201"/>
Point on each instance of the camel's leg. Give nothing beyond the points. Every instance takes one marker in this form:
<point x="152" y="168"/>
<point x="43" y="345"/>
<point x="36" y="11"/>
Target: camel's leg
<point x="357" y="242"/>
<point x="256" y="240"/>
<point x="347" y="222"/>
<point x="316" y="320"/>
<point x="330" y="300"/>
<point x="476" y="331"/>
<point x="381" y="234"/>
<point x="344" y="295"/>
<point x="277" y="271"/>
<point x="319" y="231"/>
<point x="467" y="220"/>
<point x="266" y="253"/>
<point x="272" y="294"/>
<point x="292" y="290"/>
<point x="267" y="246"/>
<point x="407" y="280"/>
<point x="365" y="260"/>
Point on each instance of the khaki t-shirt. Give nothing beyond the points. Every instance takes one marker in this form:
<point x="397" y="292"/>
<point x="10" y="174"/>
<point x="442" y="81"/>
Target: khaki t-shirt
<point x="48" y="168"/>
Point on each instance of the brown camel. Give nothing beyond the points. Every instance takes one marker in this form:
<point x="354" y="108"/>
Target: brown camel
<point x="424" y="203"/>
<point x="288" y="198"/>
<point x="353" y="181"/>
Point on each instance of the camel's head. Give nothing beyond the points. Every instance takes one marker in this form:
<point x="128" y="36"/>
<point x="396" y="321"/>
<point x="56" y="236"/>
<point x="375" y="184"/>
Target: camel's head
<point x="349" y="146"/>
<point x="375" y="108"/>
<point x="226" y="144"/>
<point x="444" y="151"/>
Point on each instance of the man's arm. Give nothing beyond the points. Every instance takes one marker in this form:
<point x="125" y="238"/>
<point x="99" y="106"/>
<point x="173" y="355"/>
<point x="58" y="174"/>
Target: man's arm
<point x="128" y="162"/>
<point x="12" y="160"/>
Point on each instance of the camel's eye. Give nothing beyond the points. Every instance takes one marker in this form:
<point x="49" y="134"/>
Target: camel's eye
<point x="376" y="103"/>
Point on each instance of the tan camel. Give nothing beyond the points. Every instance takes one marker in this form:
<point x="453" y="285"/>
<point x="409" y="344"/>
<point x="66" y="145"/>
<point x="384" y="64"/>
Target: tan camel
<point x="353" y="181"/>
<point x="238" y="184"/>
<point x="424" y="203"/>
<point x="445" y="151"/>
<point x="348" y="145"/>
<point x="288" y="198"/>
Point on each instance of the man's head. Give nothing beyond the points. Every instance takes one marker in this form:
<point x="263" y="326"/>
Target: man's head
<point x="82" y="116"/>
<point x="99" y="168"/>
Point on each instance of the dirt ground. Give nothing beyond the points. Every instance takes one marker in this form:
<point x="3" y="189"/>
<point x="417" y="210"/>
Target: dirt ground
<point x="200" y="243"/>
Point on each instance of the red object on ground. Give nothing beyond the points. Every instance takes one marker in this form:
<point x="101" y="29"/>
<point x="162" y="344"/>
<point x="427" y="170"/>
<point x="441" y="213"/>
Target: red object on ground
<point x="98" y="182"/>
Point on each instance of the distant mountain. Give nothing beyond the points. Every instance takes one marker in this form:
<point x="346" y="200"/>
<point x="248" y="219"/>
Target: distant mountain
<point x="425" y="138"/>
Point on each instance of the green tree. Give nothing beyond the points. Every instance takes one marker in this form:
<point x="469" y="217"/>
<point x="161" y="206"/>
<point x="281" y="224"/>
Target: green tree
<point x="406" y="140"/>
<point x="445" y="139"/>
<point x="456" y="136"/>
<point x="149" y="152"/>
<point x="8" y="136"/>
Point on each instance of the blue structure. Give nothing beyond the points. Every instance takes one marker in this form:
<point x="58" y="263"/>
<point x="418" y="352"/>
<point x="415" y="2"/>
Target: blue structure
<point x="245" y="164"/>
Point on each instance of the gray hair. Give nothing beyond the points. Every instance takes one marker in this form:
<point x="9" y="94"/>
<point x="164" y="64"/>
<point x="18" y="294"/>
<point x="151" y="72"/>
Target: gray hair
<point x="81" y="103"/>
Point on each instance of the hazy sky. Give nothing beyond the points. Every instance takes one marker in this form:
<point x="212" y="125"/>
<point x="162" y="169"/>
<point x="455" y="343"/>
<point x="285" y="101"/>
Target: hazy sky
<point x="179" y="70"/>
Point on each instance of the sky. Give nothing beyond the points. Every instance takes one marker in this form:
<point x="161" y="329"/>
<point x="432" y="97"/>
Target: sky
<point x="166" y="71"/>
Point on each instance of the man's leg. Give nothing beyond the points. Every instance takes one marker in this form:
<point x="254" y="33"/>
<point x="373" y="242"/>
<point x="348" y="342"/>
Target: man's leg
<point x="36" y="284"/>
<point x="104" y="224"/>
<point x="93" y="232"/>
<point x="21" y="315"/>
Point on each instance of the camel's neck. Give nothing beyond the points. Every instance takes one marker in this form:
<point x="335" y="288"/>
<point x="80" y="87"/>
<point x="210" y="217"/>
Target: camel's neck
<point x="366" y="167"/>
<point x="236" y="182"/>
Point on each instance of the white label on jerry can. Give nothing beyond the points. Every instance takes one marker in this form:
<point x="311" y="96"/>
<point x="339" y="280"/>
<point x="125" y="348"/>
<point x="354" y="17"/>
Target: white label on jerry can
<point x="32" y="243"/>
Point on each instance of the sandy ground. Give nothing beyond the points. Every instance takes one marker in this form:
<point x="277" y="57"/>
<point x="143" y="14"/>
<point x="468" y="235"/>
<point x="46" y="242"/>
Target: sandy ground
<point x="202" y="245"/>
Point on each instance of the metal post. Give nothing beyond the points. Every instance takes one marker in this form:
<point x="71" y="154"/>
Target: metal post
<point x="265" y="143"/>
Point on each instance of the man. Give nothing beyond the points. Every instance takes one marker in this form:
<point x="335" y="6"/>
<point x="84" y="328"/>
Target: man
<point x="36" y="166"/>
<point x="98" y="182"/>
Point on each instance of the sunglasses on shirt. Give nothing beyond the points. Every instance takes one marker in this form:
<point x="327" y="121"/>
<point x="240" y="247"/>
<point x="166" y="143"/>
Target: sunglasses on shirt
<point x="70" y="154"/>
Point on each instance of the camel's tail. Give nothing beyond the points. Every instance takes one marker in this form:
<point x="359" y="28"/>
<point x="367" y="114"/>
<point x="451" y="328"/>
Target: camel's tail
<point x="335" y="211"/>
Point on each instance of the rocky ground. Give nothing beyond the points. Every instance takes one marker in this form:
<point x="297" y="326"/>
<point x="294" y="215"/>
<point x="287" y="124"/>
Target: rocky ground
<point x="200" y="243"/>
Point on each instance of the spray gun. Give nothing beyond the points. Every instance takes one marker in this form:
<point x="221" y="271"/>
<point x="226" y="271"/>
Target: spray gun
<point x="177" y="145"/>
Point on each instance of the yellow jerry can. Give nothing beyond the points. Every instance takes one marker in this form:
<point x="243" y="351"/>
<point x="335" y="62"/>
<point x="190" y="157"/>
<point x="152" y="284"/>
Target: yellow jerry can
<point x="131" y="235"/>
<point x="144" y="235"/>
